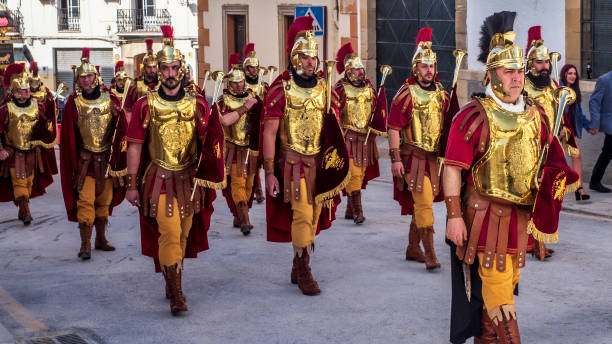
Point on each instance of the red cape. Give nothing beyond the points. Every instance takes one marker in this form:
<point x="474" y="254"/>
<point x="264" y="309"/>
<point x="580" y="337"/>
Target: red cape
<point x="41" y="133"/>
<point x="210" y="172"/>
<point x="70" y="143"/>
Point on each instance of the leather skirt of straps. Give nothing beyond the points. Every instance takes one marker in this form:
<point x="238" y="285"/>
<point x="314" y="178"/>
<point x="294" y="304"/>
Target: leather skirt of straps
<point x="246" y="163"/>
<point x="418" y="166"/>
<point x="294" y="164"/>
<point x="25" y="162"/>
<point x="363" y="153"/>
<point x="99" y="164"/>
<point x="175" y="184"/>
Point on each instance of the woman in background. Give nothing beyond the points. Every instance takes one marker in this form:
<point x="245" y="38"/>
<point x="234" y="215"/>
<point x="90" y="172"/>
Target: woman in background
<point x="577" y="119"/>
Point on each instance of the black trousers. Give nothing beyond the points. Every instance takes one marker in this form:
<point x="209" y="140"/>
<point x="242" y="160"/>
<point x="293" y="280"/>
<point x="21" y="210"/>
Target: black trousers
<point x="602" y="162"/>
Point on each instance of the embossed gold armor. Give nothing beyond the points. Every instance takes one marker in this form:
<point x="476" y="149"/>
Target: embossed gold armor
<point x="427" y="118"/>
<point x="172" y="143"/>
<point x="545" y="98"/>
<point x="119" y="95"/>
<point x="356" y="114"/>
<point x="21" y="121"/>
<point x="508" y="168"/>
<point x="142" y="89"/>
<point x="237" y="133"/>
<point x="95" y="122"/>
<point x="303" y="120"/>
<point x="257" y="90"/>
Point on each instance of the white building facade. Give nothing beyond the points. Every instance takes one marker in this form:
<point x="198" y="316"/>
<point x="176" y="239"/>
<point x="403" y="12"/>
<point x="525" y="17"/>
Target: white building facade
<point x="56" y="30"/>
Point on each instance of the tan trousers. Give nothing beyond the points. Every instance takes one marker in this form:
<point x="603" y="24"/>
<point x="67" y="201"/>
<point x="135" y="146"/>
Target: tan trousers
<point x="356" y="180"/>
<point x="21" y="187"/>
<point x="89" y="206"/>
<point x="305" y="218"/>
<point x="498" y="287"/>
<point x="174" y="232"/>
<point x="423" y="205"/>
<point x="241" y="186"/>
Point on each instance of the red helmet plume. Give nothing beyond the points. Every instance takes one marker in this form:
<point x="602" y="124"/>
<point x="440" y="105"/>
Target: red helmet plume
<point x="234" y="59"/>
<point x="247" y="49"/>
<point x="299" y="24"/>
<point x="118" y="66"/>
<point x="12" y="69"/>
<point x="34" y="68"/>
<point x="341" y="55"/>
<point x="85" y="53"/>
<point x="167" y="31"/>
<point x="533" y="34"/>
<point x="149" y="43"/>
<point x="424" y="35"/>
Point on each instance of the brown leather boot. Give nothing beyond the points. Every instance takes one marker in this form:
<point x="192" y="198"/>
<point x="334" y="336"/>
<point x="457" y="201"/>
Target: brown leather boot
<point x="349" y="208"/>
<point x="101" y="223"/>
<point x="487" y="330"/>
<point x="413" y="251"/>
<point x="169" y="292"/>
<point x="540" y="251"/>
<point x="236" y="220"/>
<point x="505" y="325"/>
<point x="85" y="251"/>
<point x="172" y="275"/>
<point x="259" y="196"/>
<point x="294" y="270"/>
<point x="306" y="282"/>
<point x="357" y="209"/>
<point x="243" y="216"/>
<point x="24" y="210"/>
<point x="431" y="261"/>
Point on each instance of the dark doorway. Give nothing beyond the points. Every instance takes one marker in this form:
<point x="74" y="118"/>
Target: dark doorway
<point x="596" y="51"/>
<point x="397" y="25"/>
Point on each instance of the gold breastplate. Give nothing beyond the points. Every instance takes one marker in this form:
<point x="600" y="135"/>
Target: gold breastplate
<point x="118" y="94"/>
<point x="303" y="120"/>
<point x="95" y="122"/>
<point x="427" y="118"/>
<point x="508" y="168"/>
<point x="21" y="121"/>
<point x="237" y="133"/>
<point x="40" y="95"/>
<point x="257" y="90"/>
<point x="545" y="98"/>
<point x="172" y="137"/>
<point x="358" y="110"/>
<point x="143" y="89"/>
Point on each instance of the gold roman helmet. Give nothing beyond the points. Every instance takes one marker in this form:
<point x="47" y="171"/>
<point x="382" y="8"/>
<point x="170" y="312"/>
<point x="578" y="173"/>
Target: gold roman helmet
<point x="34" y="78"/>
<point x="497" y="48"/>
<point x="16" y="78"/>
<point x="536" y="50"/>
<point x="423" y="52"/>
<point x="149" y="58"/>
<point x="168" y="53"/>
<point x="234" y="73"/>
<point x="249" y="59"/>
<point x="86" y="67"/>
<point x="120" y="73"/>
<point x="300" y="40"/>
<point x="347" y="59"/>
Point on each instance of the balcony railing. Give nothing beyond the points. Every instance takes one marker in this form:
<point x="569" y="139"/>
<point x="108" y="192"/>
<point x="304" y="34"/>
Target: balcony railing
<point x="136" y="20"/>
<point x="67" y="21"/>
<point x="11" y="24"/>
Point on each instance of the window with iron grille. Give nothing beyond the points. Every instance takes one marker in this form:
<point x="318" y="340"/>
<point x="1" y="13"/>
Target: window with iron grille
<point x="69" y="15"/>
<point x="596" y="38"/>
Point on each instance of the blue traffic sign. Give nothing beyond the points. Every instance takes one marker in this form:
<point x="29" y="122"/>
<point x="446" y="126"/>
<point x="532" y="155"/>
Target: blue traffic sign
<point x="317" y="13"/>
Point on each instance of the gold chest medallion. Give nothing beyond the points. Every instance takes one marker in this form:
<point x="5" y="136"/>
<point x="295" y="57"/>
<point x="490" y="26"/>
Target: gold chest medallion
<point x="356" y="114"/>
<point x="237" y="133"/>
<point x="303" y="119"/>
<point x="545" y="98"/>
<point x="508" y="168"/>
<point x="427" y="118"/>
<point x="172" y="143"/>
<point x="20" y="124"/>
<point x="95" y="122"/>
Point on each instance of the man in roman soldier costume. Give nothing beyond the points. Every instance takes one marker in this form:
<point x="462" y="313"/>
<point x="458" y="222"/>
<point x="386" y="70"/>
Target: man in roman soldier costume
<point x="27" y="138"/>
<point x="120" y="78"/>
<point x="499" y="186"/>
<point x="240" y="110"/>
<point x="418" y="122"/>
<point x="252" y="73"/>
<point x="358" y="104"/>
<point x="148" y="81"/>
<point x="541" y="87"/>
<point x="174" y="163"/>
<point x="91" y="116"/>
<point x="305" y="159"/>
<point x="40" y="92"/>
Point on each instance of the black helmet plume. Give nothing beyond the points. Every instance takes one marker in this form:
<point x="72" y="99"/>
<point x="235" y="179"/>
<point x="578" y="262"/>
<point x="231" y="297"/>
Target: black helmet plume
<point x="499" y="22"/>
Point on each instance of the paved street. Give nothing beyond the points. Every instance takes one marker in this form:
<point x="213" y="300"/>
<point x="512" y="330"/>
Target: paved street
<point x="239" y="290"/>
